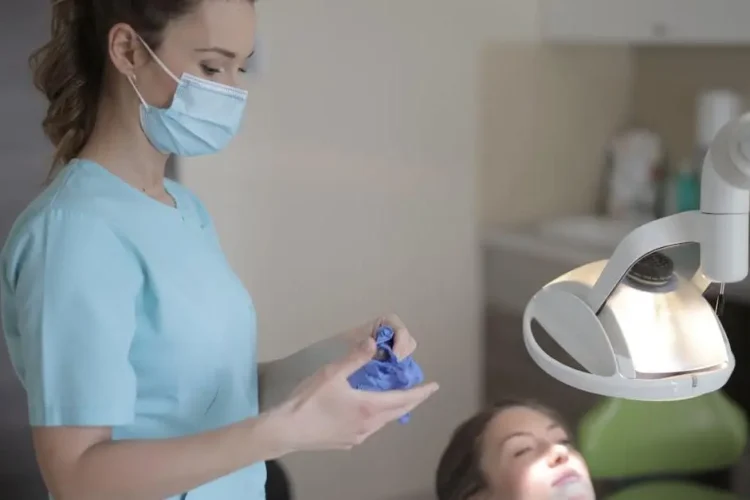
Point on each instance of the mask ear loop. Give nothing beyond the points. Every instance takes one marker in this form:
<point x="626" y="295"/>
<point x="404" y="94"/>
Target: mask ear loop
<point x="158" y="61"/>
<point x="131" y="78"/>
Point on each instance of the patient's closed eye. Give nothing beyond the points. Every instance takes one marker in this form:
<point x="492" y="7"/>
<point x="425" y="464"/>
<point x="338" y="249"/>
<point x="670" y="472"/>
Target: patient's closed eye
<point x="520" y="445"/>
<point x="522" y="451"/>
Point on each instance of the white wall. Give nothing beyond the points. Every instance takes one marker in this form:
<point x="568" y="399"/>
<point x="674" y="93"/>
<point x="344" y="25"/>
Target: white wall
<point x="354" y="191"/>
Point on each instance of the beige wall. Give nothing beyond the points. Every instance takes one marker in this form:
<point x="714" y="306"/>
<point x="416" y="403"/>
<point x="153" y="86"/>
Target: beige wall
<point x="668" y="81"/>
<point x="547" y="113"/>
<point x="353" y="191"/>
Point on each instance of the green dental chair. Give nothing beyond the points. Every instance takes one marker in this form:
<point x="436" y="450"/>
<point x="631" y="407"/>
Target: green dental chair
<point x="657" y="450"/>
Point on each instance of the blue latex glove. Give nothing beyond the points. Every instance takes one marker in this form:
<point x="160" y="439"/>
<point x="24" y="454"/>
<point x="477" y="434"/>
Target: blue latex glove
<point x="385" y="372"/>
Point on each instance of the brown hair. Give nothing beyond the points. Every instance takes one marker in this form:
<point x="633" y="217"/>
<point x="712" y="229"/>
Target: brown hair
<point x="459" y="474"/>
<point x="69" y="68"/>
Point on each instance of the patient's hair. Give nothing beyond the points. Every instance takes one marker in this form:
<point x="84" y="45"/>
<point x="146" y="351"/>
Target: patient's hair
<point x="459" y="474"/>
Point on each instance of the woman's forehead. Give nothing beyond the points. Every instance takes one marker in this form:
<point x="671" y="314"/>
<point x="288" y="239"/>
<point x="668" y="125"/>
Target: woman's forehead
<point x="519" y="420"/>
<point x="228" y="24"/>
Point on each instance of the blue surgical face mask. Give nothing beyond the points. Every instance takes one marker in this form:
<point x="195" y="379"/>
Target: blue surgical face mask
<point x="203" y="118"/>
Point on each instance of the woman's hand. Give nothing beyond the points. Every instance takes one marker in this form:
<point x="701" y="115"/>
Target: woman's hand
<point x="325" y="413"/>
<point x="404" y="344"/>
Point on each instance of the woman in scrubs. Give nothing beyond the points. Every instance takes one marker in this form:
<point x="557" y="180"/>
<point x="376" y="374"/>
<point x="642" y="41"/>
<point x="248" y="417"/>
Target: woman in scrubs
<point x="513" y="451"/>
<point x="134" y="339"/>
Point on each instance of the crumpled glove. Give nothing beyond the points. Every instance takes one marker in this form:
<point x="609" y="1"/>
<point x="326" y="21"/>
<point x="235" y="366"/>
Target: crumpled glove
<point x="385" y="372"/>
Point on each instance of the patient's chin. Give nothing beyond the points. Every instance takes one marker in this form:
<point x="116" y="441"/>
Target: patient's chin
<point x="577" y="490"/>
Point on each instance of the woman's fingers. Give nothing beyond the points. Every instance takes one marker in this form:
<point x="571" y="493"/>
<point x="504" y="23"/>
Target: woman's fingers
<point x="395" y="414"/>
<point x="330" y="414"/>
<point x="404" y="344"/>
<point x="393" y="321"/>
<point x="389" y="412"/>
<point x="399" y="400"/>
<point x="359" y="357"/>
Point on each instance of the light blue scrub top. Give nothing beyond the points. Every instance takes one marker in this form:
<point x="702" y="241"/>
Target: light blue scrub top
<point x="121" y="311"/>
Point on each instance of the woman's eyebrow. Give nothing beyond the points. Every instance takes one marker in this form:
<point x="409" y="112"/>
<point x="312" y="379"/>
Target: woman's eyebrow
<point x="224" y="52"/>
<point x="219" y="50"/>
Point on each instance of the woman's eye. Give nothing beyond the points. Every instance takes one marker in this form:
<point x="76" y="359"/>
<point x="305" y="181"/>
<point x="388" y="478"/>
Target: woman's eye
<point x="209" y="70"/>
<point x="521" y="452"/>
<point x="565" y="442"/>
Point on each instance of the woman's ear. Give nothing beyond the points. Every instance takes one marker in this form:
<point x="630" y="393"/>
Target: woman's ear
<point x="126" y="50"/>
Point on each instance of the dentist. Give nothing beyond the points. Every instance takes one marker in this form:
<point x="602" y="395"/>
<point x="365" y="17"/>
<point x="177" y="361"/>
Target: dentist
<point x="134" y="339"/>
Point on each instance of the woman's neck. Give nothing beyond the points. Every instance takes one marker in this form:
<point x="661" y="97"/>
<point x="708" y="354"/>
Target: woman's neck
<point x="118" y="144"/>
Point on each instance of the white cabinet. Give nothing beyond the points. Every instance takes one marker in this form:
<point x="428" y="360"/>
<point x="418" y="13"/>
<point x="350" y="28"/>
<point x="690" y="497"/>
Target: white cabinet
<point x="646" y="22"/>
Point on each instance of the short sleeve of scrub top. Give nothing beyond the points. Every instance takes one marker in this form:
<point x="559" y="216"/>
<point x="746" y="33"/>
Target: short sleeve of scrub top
<point x="123" y="312"/>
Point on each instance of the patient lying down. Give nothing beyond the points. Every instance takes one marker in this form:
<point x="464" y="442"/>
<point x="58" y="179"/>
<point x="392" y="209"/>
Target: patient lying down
<point x="513" y="451"/>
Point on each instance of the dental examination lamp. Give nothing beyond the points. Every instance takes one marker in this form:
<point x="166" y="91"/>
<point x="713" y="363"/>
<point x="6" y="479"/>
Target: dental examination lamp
<point x="638" y="323"/>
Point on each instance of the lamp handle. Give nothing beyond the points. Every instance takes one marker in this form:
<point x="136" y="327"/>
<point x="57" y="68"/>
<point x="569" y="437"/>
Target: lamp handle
<point x="656" y="235"/>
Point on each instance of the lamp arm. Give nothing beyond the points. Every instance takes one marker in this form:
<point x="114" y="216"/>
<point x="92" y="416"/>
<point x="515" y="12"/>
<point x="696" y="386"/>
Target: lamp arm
<point x="721" y="227"/>
<point x="725" y="203"/>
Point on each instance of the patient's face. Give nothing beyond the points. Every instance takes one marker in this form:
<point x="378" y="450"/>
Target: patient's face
<point x="527" y="456"/>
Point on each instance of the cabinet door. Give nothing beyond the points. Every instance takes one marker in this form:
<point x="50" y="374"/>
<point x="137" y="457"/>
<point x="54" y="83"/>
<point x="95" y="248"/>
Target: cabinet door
<point x="645" y="22"/>
<point x="708" y="22"/>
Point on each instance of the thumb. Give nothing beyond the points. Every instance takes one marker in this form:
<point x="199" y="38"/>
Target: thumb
<point x="359" y="357"/>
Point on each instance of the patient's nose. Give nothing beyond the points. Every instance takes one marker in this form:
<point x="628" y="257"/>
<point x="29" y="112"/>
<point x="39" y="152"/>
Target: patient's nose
<point x="558" y="455"/>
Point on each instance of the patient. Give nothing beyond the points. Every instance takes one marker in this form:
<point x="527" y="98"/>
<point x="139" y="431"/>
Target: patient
<point x="513" y="451"/>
